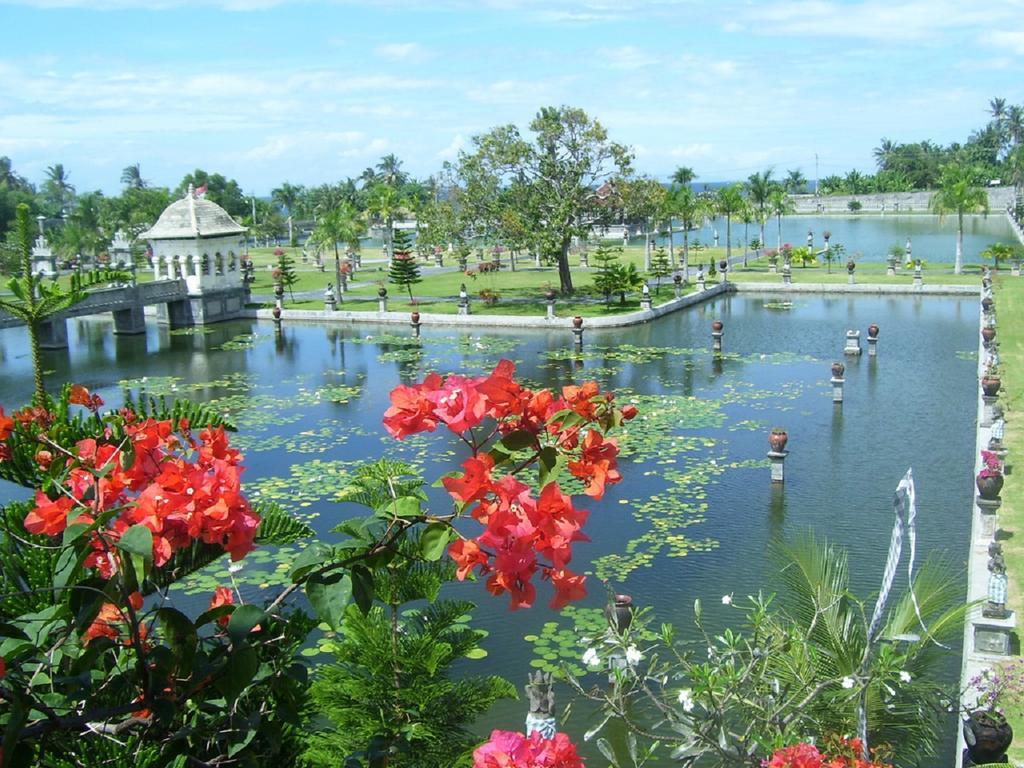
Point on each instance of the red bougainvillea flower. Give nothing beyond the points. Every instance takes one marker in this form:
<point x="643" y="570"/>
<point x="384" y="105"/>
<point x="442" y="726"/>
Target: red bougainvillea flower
<point x="111" y="622"/>
<point x="3" y="667"/>
<point x="475" y="482"/>
<point x="459" y="404"/>
<point x="6" y="425"/>
<point x="79" y="395"/>
<point x="49" y="518"/>
<point x="467" y="555"/>
<point x="222" y="596"/>
<point x="508" y="749"/>
<point x="597" y="463"/>
<point x="568" y="587"/>
<point x="411" y="411"/>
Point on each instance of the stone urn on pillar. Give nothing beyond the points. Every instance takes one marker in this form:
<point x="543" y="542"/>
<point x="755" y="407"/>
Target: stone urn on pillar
<point x="988" y="333"/>
<point x="990" y="384"/>
<point x="777" y="439"/>
<point x="620" y="613"/>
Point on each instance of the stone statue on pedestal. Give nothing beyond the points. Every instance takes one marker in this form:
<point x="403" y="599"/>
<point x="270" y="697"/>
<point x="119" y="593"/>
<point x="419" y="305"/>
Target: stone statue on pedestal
<point x="541" y="693"/>
<point x="995" y="608"/>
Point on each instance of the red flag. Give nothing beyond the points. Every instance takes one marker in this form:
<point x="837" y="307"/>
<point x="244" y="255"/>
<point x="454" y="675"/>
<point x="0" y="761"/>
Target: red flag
<point x="200" y="191"/>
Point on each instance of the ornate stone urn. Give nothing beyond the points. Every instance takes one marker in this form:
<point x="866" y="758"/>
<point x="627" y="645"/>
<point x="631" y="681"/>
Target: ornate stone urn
<point x="620" y="614"/>
<point x="838" y="369"/>
<point x="777" y="439"/>
<point x="989" y="483"/>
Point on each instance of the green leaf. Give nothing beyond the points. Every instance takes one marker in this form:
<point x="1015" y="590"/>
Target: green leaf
<point x="239" y="671"/>
<point x="66" y="567"/>
<point x="329" y="598"/>
<point x="312" y="557"/>
<point x="181" y="635"/>
<point x="242" y="620"/>
<point x="519" y="440"/>
<point x="405" y="506"/>
<point x="137" y="540"/>
<point x="434" y="540"/>
<point x="362" y="588"/>
<point x="548" y="465"/>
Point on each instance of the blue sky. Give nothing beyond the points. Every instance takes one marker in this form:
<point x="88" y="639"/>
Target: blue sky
<point x="305" y="91"/>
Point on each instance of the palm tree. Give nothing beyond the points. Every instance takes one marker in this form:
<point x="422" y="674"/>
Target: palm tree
<point x="884" y="153"/>
<point x="780" y="205"/>
<point x="683" y="175"/>
<point x="385" y="204"/>
<point x="747" y="215"/>
<point x="389" y="171"/>
<point x="729" y="202"/>
<point x="338" y="225"/>
<point x="58" y="190"/>
<point x="287" y="196"/>
<point x="34" y="301"/>
<point x="759" y="190"/>
<point x="795" y="181"/>
<point x="690" y="208"/>
<point x="959" y="193"/>
<point x="131" y="177"/>
<point x="997" y="108"/>
<point x="1015" y="123"/>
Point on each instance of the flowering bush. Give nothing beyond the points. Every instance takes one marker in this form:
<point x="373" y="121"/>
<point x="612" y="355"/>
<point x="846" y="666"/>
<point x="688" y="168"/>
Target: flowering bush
<point x="838" y="753"/>
<point x="991" y="466"/>
<point x="998" y="688"/>
<point x="507" y="425"/>
<point x="508" y="749"/>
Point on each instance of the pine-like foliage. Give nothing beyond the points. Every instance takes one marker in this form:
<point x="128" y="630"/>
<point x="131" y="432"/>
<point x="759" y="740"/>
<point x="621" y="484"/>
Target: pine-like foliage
<point x="659" y="266"/>
<point x="286" y="265"/>
<point x="404" y="272"/>
<point x="390" y="690"/>
<point x="605" y="261"/>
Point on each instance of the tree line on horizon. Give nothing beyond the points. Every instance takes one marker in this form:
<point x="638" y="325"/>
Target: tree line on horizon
<point x="538" y="195"/>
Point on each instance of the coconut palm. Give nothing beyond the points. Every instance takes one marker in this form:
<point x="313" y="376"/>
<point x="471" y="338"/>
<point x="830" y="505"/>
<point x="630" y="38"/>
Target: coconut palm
<point x="131" y="177"/>
<point x="385" y="204"/>
<point x="884" y="153"/>
<point x="795" y="181"/>
<point x="287" y="196"/>
<point x="959" y="193"/>
<point x="389" y="171"/>
<point x="58" y="190"/>
<point x="338" y="225"/>
<point x="683" y="175"/>
<point x="997" y="108"/>
<point x="729" y="202"/>
<point x="690" y="209"/>
<point x="780" y="205"/>
<point x="759" y="190"/>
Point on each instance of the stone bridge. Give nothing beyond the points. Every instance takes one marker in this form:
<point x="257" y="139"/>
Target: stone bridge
<point x="176" y="307"/>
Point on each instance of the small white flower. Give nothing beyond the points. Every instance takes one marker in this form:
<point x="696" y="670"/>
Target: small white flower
<point x="904" y="676"/>
<point x="848" y="682"/>
<point x="686" y="699"/>
<point x="633" y="655"/>
<point x="711" y="652"/>
<point x="235" y="567"/>
<point x="726" y="599"/>
<point x="590" y="657"/>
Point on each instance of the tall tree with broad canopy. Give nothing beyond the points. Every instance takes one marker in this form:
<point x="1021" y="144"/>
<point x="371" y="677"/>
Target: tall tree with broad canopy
<point x="959" y="193"/>
<point x="691" y="210"/>
<point x="729" y="202"/>
<point x="342" y="224"/>
<point x="561" y="170"/>
<point x="759" y="190"/>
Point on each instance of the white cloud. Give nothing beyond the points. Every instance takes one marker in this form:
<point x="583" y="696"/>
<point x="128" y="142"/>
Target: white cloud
<point x="625" y="57"/>
<point x="400" y="51"/>
<point x="1012" y="39"/>
<point x="452" y="150"/>
<point x="690" y="151"/>
<point x="372" y="149"/>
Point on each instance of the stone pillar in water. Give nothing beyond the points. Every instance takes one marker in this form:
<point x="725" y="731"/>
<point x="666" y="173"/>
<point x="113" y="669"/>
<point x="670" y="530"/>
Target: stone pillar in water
<point x="838" y="369"/>
<point x="852" y="343"/>
<point x="717" y="330"/>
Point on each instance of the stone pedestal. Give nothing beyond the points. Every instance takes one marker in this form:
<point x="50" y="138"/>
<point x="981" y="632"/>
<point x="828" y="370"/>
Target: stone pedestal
<point x="464" y="306"/>
<point x="773" y="268"/>
<point x="1015" y="269"/>
<point x="988" y="409"/>
<point x="545" y="725"/>
<point x="787" y="275"/>
<point x="778" y="466"/>
<point x="551" y="309"/>
<point x="439" y="259"/>
<point x="852" y="343"/>
<point x="415" y="324"/>
<point x="837" y="388"/>
<point x="679" y="290"/>
<point x="716" y="341"/>
<point x="382" y="303"/>
<point x="130" y="322"/>
<point x="585" y="260"/>
<point x="849" y="278"/>
<point x="890" y="271"/>
<point x="578" y="337"/>
<point x="991" y="636"/>
<point x="723" y="279"/>
<point x="53" y="334"/>
<point x="646" y="303"/>
<point x="918" y="279"/>
<point x="989" y="511"/>
<point x="700" y="284"/>
<point x="872" y="346"/>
